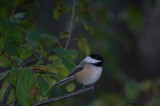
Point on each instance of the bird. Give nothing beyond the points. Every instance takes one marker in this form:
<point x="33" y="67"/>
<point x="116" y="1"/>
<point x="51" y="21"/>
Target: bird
<point x="87" y="72"/>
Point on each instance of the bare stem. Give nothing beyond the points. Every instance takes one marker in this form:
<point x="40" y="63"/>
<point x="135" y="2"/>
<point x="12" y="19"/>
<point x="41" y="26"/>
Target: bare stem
<point x="29" y="61"/>
<point x="13" y="102"/>
<point x="5" y="94"/>
<point x="62" y="97"/>
<point x="12" y="14"/>
<point x="71" y="24"/>
<point x="9" y="85"/>
<point x="9" y="57"/>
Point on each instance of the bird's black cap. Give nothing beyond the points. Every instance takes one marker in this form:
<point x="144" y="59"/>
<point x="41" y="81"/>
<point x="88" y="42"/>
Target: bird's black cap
<point x="96" y="56"/>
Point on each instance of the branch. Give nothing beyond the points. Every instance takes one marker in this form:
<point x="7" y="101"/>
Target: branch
<point x="15" y="64"/>
<point x="71" y="24"/>
<point x="9" y="85"/>
<point x="13" y="102"/>
<point x="9" y="57"/>
<point x="6" y="94"/>
<point x="61" y="97"/>
<point x="29" y="61"/>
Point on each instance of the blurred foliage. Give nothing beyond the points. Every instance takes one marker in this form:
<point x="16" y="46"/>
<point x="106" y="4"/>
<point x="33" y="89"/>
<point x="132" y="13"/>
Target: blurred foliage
<point x="21" y="37"/>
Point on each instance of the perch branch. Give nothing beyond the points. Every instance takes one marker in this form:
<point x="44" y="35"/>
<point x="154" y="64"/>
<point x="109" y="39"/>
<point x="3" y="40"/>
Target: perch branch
<point x="61" y="97"/>
<point x="71" y="24"/>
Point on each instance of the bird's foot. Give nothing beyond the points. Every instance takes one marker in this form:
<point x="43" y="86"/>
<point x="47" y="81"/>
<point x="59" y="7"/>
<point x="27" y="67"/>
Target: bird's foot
<point x="84" y="89"/>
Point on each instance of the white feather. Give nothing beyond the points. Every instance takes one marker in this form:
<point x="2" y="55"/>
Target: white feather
<point x="89" y="59"/>
<point x="96" y="74"/>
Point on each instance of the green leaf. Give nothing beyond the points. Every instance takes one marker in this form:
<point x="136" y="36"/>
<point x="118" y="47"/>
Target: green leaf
<point x="12" y="29"/>
<point x="132" y="103"/>
<point x="27" y="24"/>
<point x="62" y="52"/>
<point x="87" y="21"/>
<point x="52" y="75"/>
<point x="25" y="82"/>
<point x="70" y="87"/>
<point x="11" y="46"/>
<point x="62" y="71"/>
<point x="34" y="35"/>
<point x="44" y="68"/>
<point x="30" y="44"/>
<point x="17" y="60"/>
<point x="13" y="76"/>
<point x="6" y="62"/>
<point x="84" y="46"/>
<point x="43" y="86"/>
<point x="49" y="37"/>
<point x="24" y="53"/>
<point x="49" y="80"/>
<point x="64" y="35"/>
<point x="72" y="53"/>
<point x="69" y="64"/>
<point x="132" y="89"/>
<point x="56" y="60"/>
<point x="56" y="14"/>
<point x="18" y="2"/>
<point x="66" y="53"/>
<point x="3" y="75"/>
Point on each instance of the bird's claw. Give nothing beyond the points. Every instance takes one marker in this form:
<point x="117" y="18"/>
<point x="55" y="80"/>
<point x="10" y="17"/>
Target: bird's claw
<point x="84" y="89"/>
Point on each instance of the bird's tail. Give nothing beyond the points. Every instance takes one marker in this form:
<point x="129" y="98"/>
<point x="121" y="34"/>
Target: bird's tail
<point x="65" y="81"/>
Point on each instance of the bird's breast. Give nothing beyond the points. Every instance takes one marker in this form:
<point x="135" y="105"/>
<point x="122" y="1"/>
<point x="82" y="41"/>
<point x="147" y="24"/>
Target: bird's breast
<point x="89" y="75"/>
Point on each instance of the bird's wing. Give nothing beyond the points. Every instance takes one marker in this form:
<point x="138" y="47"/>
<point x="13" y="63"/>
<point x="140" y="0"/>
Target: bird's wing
<point x="65" y="81"/>
<point x="70" y="77"/>
<point x="75" y="70"/>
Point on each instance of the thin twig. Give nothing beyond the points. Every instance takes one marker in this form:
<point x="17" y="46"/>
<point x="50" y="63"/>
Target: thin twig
<point x="6" y="94"/>
<point x="29" y="61"/>
<point x="71" y="24"/>
<point x="9" y="85"/>
<point x="12" y="14"/>
<point x="61" y="97"/>
<point x="13" y="102"/>
<point x="9" y="57"/>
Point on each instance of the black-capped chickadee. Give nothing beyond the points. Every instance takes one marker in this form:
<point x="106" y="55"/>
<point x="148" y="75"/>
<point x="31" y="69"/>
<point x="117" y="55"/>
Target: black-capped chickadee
<point x="87" y="72"/>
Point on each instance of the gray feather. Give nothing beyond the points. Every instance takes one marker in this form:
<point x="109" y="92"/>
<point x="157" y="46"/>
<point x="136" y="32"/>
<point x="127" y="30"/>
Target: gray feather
<point x="75" y="70"/>
<point x="78" y="68"/>
<point x="71" y="75"/>
<point x="65" y="81"/>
